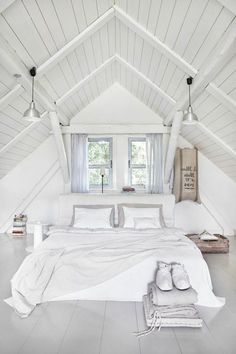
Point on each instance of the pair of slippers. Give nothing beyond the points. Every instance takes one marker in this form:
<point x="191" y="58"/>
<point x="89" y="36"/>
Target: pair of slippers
<point x="170" y="275"/>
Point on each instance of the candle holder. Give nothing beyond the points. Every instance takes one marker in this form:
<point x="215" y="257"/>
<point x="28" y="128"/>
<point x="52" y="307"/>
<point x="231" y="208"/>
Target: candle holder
<point x="102" y="174"/>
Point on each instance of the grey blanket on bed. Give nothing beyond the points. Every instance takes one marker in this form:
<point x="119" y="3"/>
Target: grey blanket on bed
<point x="172" y="297"/>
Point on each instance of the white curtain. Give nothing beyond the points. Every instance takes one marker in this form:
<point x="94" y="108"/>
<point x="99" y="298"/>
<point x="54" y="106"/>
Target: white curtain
<point x="79" y="163"/>
<point x="154" y="163"/>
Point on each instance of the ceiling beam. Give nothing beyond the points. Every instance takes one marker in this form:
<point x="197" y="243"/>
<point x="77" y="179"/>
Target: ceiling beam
<point x="14" y="65"/>
<point x="60" y="145"/>
<point x="217" y="140"/>
<point x="229" y="4"/>
<point x="154" y="41"/>
<point x="222" y="97"/>
<point x="21" y="135"/>
<point x="222" y="54"/>
<point x="11" y="95"/>
<point x="75" y="42"/>
<point x="147" y="81"/>
<point x="115" y="129"/>
<point x="83" y="82"/>
<point x="4" y="4"/>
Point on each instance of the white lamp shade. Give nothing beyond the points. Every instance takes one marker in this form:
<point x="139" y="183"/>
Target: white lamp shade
<point x="190" y="117"/>
<point x="32" y="114"/>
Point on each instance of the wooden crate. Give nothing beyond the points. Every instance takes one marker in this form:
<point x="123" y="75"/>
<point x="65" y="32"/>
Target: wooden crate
<point x="219" y="246"/>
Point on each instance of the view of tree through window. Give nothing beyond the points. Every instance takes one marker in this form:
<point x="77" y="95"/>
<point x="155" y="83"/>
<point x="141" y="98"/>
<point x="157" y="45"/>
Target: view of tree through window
<point x="99" y="156"/>
<point x="137" y="161"/>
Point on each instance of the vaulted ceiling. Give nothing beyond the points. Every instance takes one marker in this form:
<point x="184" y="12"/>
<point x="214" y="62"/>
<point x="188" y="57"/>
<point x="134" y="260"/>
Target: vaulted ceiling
<point x="81" y="47"/>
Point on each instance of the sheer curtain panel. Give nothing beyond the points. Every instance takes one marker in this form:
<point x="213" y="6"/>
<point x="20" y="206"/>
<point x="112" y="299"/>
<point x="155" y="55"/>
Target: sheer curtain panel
<point x="79" y="163"/>
<point x="154" y="163"/>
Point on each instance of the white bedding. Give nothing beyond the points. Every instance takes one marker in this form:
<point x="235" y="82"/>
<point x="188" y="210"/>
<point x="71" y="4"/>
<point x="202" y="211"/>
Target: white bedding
<point x="105" y="265"/>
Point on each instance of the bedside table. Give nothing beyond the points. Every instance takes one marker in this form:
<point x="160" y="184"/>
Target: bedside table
<point x="38" y="234"/>
<point x="218" y="246"/>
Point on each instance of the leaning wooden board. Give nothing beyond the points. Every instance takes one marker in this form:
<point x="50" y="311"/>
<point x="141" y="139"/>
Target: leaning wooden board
<point x="219" y="246"/>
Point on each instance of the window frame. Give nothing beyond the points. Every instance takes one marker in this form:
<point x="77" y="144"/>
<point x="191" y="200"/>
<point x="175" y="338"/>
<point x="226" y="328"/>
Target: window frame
<point x="134" y="166"/>
<point x="106" y="166"/>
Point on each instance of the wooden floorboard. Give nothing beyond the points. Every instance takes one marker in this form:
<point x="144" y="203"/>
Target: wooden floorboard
<point x="98" y="327"/>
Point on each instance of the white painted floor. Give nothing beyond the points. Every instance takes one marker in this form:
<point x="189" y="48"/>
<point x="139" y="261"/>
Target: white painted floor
<point x="90" y="327"/>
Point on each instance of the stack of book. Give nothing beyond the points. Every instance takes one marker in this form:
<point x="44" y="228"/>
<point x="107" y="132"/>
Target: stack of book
<point x="19" y="225"/>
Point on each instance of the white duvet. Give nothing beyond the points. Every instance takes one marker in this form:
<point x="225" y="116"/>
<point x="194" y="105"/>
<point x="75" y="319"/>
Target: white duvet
<point x="105" y="265"/>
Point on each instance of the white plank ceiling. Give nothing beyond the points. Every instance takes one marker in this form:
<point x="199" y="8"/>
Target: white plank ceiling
<point x="81" y="47"/>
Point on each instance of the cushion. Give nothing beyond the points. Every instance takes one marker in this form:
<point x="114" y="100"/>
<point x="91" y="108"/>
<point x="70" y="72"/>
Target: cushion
<point x="93" y="216"/>
<point x="145" y="223"/>
<point x="127" y="213"/>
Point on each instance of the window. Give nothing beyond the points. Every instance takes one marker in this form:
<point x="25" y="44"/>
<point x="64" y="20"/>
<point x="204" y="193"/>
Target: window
<point x="137" y="162"/>
<point x="100" y="156"/>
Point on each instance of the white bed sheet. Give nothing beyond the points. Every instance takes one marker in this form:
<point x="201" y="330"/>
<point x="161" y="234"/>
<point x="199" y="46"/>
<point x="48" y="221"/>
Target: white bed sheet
<point x="105" y="264"/>
<point x="131" y="284"/>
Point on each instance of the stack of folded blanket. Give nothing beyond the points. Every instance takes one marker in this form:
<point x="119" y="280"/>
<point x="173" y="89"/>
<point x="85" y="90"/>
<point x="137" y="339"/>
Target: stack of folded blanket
<point x="170" y="299"/>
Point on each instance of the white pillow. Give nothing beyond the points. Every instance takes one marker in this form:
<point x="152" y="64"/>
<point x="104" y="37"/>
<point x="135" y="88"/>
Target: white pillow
<point x="145" y="223"/>
<point x="131" y="213"/>
<point x="87" y="218"/>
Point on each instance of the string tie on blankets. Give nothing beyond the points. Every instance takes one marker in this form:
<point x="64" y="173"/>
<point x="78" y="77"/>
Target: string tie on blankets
<point x="156" y="319"/>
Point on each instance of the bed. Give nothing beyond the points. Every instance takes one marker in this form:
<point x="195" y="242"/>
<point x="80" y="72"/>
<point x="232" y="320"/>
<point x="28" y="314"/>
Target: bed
<point x="106" y="264"/>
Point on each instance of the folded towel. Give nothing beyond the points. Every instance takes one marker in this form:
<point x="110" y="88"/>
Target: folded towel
<point x="176" y="311"/>
<point x="172" y="297"/>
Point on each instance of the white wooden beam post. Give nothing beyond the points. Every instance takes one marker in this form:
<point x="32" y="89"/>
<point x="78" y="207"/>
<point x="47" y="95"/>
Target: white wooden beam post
<point x="13" y="65"/>
<point x="60" y="145"/>
<point x="154" y="41"/>
<point x="170" y="156"/>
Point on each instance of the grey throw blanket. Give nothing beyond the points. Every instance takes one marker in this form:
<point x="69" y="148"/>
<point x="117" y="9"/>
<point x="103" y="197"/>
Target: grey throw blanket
<point x="175" y="311"/>
<point x="172" y="297"/>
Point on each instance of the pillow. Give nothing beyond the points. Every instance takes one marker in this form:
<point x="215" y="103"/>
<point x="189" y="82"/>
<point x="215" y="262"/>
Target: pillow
<point x="93" y="216"/>
<point x="127" y="213"/>
<point x="145" y="223"/>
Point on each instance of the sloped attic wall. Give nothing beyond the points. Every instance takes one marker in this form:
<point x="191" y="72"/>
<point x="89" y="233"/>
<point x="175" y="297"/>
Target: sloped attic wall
<point x="218" y="195"/>
<point x="33" y="187"/>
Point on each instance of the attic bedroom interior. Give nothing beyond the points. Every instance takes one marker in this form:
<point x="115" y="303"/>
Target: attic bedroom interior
<point x="117" y="176"/>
